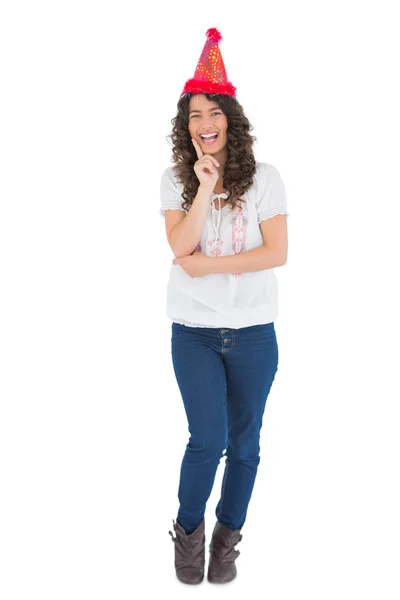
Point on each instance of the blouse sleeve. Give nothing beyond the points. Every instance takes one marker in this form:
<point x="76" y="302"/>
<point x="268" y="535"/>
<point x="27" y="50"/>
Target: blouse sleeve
<point x="169" y="194"/>
<point x="272" y="200"/>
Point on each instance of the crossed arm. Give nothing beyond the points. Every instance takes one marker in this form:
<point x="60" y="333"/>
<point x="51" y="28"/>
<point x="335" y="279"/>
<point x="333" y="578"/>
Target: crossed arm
<point x="273" y="253"/>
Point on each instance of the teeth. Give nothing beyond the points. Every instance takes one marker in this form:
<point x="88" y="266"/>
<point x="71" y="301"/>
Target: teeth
<point x="207" y="135"/>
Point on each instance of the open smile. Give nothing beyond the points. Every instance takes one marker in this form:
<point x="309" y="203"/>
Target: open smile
<point x="209" y="138"/>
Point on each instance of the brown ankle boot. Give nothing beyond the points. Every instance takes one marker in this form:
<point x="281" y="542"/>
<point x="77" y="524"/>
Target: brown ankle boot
<point x="189" y="553"/>
<point x="221" y="566"/>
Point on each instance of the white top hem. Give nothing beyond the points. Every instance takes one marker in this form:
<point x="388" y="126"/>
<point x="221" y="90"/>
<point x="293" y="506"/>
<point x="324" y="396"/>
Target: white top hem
<point x="246" y="318"/>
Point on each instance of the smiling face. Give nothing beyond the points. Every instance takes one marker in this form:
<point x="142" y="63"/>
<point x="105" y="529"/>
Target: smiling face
<point x="205" y="117"/>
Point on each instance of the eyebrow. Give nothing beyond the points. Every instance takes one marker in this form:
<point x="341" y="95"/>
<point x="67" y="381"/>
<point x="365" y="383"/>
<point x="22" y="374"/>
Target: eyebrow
<point x="210" y="109"/>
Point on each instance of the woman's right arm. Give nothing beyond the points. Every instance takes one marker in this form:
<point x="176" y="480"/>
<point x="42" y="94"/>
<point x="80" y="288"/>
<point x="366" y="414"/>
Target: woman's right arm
<point x="184" y="231"/>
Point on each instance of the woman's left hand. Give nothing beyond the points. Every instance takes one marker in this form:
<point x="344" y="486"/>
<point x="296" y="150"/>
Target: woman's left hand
<point x="195" y="265"/>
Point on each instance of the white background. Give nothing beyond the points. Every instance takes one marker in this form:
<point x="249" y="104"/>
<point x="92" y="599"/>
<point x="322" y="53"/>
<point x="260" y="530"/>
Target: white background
<point x="92" y="426"/>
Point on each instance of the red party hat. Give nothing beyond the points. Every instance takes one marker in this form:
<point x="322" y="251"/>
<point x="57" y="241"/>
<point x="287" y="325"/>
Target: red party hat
<point x="210" y="75"/>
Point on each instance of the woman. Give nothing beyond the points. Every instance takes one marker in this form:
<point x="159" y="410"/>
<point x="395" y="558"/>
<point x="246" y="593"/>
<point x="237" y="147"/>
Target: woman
<point x="222" y="300"/>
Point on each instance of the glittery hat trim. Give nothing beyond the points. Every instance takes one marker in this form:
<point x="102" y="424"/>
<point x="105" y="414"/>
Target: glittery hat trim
<point x="195" y="86"/>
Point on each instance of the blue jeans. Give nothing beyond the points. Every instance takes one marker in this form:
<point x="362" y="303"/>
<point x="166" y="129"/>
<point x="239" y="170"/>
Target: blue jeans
<point x="224" y="377"/>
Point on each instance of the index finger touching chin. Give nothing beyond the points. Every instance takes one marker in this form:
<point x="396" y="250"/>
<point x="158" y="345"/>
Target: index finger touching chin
<point x="199" y="151"/>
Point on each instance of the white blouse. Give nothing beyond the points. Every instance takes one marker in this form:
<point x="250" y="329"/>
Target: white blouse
<point x="231" y="300"/>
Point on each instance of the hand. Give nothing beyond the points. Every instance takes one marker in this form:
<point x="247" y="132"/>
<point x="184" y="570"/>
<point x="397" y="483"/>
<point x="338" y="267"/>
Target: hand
<point x="195" y="265"/>
<point x="206" y="167"/>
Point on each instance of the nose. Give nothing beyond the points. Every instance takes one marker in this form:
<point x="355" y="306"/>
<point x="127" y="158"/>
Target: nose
<point x="206" y="124"/>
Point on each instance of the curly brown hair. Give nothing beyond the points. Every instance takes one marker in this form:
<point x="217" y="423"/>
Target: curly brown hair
<point x="241" y="164"/>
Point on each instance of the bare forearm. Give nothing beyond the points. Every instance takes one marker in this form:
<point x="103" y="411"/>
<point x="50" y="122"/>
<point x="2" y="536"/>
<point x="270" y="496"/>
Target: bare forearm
<point x="257" y="259"/>
<point x="186" y="235"/>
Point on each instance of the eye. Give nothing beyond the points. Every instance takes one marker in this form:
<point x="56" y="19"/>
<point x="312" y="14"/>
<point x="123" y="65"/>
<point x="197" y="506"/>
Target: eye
<point x="214" y="113"/>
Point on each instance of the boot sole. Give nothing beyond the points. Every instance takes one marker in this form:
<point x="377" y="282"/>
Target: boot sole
<point x="191" y="582"/>
<point x="211" y="580"/>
